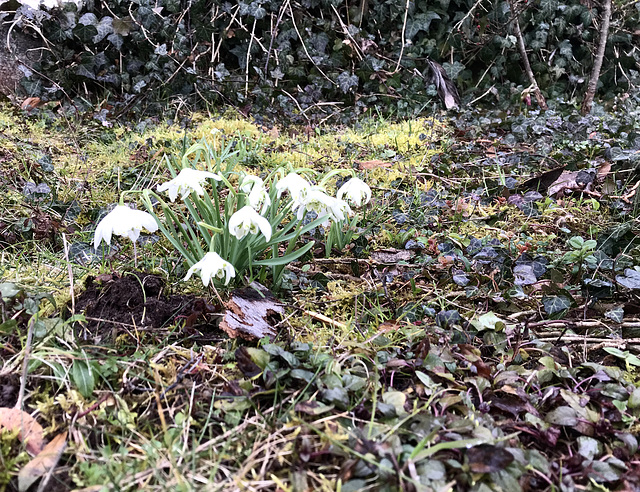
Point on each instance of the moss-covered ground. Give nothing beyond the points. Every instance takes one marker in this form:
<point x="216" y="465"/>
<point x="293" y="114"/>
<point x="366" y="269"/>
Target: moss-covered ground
<point x="478" y="333"/>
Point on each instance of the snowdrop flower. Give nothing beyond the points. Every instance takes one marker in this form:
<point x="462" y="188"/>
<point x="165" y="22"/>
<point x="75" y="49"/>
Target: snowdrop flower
<point x="212" y="266"/>
<point x="258" y="195"/>
<point x="247" y="220"/>
<point x="357" y="192"/>
<point x="295" y="184"/>
<point x="123" y="221"/>
<point x="249" y="182"/>
<point x="187" y="181"/>
<point x="322" y="204"/>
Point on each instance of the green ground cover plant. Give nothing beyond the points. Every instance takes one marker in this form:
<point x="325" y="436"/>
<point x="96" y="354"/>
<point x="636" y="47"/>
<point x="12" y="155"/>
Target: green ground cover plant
<point x="473" y="326"/>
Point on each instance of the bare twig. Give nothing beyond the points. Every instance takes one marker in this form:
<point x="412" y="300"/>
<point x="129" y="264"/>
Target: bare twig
<point x="597" y="63"/>
<point x="404" y="30"/>
<point x="304" y="47"/>
<point x="525" y="59"/>
<point x="25" y="364"/>
<point x="246" y="71"/>
<point x="70" y="271"/>
<point x="274" y="33"/>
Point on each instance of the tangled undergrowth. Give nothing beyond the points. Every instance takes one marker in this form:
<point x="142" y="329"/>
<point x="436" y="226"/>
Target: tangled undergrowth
<point x="480" y="332"/>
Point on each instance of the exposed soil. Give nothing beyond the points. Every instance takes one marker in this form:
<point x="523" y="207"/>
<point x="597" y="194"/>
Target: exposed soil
<point x="9" y="386"/>
<point x="135" y="300"/>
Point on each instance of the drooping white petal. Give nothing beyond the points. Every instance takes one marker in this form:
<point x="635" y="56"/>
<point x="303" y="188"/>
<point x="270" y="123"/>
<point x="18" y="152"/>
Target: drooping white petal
<point x="212" y="266"/>
<point x="355" y="191"/>
<point x="246" y="221"/>
<point x="186" y="182"/>
<point x="250" y="182"/>
<point x="123" y="221"/>
<point x="295" y="184"/>
<point x="316" y="200"/>
<point x="259" y="199"/>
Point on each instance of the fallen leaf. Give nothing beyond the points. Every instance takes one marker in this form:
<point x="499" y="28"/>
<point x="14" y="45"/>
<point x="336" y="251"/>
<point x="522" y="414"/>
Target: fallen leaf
<point x="252" y="313"/>
<point x="392" y="255"/>
<point x="30" y="103"/>
<point x="372" y="164"/>
<point x="46" y="460"/>
<point x="542" y="182"/>
<point x="570" y="181"/>
<point x="488" y="459"/>
<point x="30" y="430"/>
<point x="603" y="170"/>
<point x="387" y="326"/>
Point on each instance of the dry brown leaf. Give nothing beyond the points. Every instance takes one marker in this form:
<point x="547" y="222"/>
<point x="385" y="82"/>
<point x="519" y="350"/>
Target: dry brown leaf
<point x="387" y="326"/>
<point x="373" y="164"/>
<point x="30" y="430"/>
<point x="252" y="313"/>
<point x="30" y="103"/>
<point x="392" y="255"/>
<point x="603" y="170"/>
<point x="46" y="460"/>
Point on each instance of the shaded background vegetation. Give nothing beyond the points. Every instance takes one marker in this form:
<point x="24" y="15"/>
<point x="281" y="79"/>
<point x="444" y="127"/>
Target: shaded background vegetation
<point x="314" y="59"/>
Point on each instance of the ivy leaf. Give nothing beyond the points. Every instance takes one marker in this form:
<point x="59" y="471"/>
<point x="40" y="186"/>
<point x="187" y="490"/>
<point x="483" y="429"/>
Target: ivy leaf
<point x="488" y="321"/>
<point x="346" y="81"/>
<point x="420" y="22"/>
<point x="444" y="319"/>
<point x="554" y="305"/>
<point x="116" y="40"/>
<point x="630" y="279"/>
<point x="337" y="396"/>
<point x="85" y="33"/>
<point x="104" y="27"/>
<point x="122" y="26"/>
<point x="616" y="314"/>
<point x="453" y="69"/>
<point x="88" y="19"/>
<point x="524" y="274"/>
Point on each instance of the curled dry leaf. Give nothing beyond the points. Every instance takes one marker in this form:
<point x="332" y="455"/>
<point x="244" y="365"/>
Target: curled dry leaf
<point x="30" y="430"/>
<point x="252" y="313"/>
<point x="46" y="460"/>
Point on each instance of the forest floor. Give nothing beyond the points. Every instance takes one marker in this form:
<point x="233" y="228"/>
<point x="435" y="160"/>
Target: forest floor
<point x="479" y="330"/>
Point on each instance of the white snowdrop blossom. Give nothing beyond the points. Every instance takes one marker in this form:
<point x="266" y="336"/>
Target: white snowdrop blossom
<point x="316" y="200"/>
<point x="295" y="184"/>
<point x="212" y="266"/>
<point x="355" y="191"/>
<point x="258" y="196"/>
<point x="249" y="182"/>
<point x="123" y="221"/>
<point x="247" y="220"/>
<point x="187" y="181"/>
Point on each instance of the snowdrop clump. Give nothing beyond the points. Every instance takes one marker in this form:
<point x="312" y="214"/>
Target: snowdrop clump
<point x="225" y="231"/>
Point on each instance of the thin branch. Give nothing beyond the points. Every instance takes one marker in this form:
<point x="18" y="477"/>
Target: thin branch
<point x="597" y="64"/>
<point x="525" y="59"/>
<point x="304" y="47"/>
<point x="404" y="29"/>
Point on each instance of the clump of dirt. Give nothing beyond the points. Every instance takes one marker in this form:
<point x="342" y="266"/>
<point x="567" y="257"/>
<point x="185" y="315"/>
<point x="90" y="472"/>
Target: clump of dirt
<point x="9" y="386"/>
<point x="112" y="303"/>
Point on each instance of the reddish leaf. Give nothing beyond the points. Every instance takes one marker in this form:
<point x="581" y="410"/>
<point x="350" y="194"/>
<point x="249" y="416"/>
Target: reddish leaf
<point x="30" y="430"/>
<point x="45" y="460"/>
